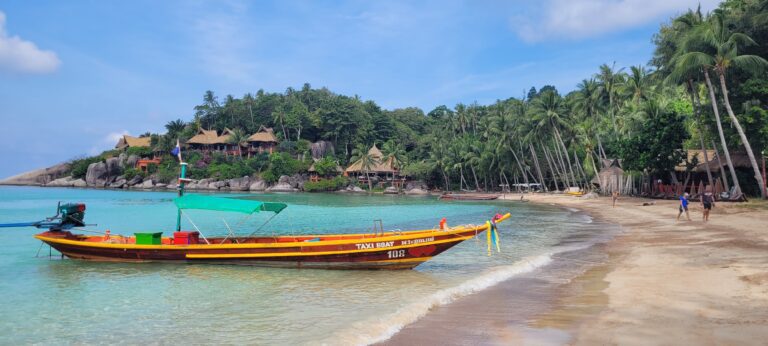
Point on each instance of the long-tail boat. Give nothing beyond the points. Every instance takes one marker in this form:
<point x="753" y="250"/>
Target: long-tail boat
<point x="469" y="196"/>
<point x="377" y="250"/>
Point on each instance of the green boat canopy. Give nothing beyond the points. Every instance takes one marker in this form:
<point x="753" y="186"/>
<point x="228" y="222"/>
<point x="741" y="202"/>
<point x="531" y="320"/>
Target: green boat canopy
<point x="237" y="205"/>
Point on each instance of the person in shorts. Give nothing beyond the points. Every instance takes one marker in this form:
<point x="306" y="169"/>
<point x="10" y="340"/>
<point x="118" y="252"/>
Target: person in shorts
<point x="707" y="202"/>
<point x="684" y="207"/>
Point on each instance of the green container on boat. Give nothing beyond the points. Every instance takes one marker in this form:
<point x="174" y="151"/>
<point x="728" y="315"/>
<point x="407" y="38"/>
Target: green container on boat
<point x="148" y="238"/>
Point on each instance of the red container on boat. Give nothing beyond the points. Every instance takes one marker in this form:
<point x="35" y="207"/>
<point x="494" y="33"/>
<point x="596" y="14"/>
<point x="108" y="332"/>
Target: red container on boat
<point x="186" y="237"/>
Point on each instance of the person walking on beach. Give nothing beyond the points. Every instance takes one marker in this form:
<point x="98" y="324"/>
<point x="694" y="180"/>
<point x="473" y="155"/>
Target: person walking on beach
<point x="684" y="207"/>
<point x="615" y="196"/>
<point x="707" y="202"/>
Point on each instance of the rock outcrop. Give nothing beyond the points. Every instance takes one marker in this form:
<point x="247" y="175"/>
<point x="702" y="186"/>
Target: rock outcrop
<point x="239" y="184"/>
<point x="137" y="179"/>
<point x="352" y="188"/>
<point x="62" y="182"/>
<point x="130" y="162"/>
<point x="39" y="176"/>
<point x="320" y="149"/>
<point x="284" y="184"/>
<point x="391" y="190"/>
<point x="416" y="191"/>
<point x="147" y="184"/>
<point x="79" y="183"/>
<point x="101" y="174"/>
<point x="258" y="185"/>
<point x="96" y="174"/>
<point x="119" y="183"/>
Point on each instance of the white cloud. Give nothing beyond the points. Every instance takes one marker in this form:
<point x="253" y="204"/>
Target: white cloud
<point x="20" y="56"/>
<point x="113" y="137"/>
<point x="576" y="19"/>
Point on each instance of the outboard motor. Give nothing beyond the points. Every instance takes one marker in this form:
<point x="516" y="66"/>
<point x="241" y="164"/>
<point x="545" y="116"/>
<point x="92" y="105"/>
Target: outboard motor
<point x="70" y="215"/>
<point x="67" y="216"/>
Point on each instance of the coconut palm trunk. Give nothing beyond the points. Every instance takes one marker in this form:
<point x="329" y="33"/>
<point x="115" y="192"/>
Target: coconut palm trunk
<point x="594" y="167"/>
<point x="743" y="136"/>
<point x="562" y="164"/>
<point x="720" y="164"/>
<point x="552" y="166"/>
<point x="697" y="112"/>
<point x="536" y="164"/>
<point x="474" y="175"/>
<point x="713" y="100"/>
<point x="565" y="153"/>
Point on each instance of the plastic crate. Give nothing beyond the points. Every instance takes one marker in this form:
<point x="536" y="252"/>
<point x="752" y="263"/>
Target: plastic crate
<point x="149" y="238"/>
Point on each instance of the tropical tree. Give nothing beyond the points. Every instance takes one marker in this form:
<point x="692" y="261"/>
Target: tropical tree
<point x="610" y="81"/>
<point x="367" y="162"/>
<point x="549" y="112"/>
<point x="175" y="127"/>
<point x="239" y="138"/>
<point x="712" y="45"/>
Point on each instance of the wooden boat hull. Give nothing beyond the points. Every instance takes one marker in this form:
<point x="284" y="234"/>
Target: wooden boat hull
<point x="469" y="196"/>
<point x="400" y="250"/>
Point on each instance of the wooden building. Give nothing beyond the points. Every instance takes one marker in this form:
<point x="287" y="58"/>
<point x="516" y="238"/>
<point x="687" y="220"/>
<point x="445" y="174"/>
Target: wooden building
<point x="262" y="141"/>
<point x="127" y="141"/>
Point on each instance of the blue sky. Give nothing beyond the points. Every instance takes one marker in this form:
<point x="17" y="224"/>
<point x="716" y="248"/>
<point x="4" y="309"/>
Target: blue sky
<point x="76" y="74"/>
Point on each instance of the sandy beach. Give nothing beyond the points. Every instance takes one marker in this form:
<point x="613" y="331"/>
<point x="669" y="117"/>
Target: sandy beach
<point x="662" y="282"/>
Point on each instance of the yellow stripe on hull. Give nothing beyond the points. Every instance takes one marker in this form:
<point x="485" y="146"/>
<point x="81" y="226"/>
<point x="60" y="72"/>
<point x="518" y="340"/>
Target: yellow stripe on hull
<point x="320" y="253"/>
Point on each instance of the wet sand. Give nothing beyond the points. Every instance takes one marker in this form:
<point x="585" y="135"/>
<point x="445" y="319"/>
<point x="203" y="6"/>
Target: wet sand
<point x="659" y="282"/>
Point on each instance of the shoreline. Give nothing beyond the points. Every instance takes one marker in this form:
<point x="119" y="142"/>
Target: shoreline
<point x="662" y="281"/>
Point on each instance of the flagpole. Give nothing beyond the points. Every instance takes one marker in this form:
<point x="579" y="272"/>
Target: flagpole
<point x="182" y="181"/>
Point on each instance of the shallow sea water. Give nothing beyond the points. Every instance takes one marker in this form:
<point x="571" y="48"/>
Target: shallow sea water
<point x="50" y="300"/>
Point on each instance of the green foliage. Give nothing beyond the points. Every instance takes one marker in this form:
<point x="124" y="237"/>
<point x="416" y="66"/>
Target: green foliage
<point x="132" y="172"/>
<point x="332" y="184"/>
<point x="79" y="167"/>
<point x="420" y="170"/>
<point x="282" y="164"/>
<point x="657" y="146"/>
<point x="326" y="167"/>
<point x="139" y="151"/>
<point x="641" y="114"/>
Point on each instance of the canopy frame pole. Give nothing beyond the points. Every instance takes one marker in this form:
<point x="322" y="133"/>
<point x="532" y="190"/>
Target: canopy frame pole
<point x="195" y="226"/>
<point x="262" y="225"/>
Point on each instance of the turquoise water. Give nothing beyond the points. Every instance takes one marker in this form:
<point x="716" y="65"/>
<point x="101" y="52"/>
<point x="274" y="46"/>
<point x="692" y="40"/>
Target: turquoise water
<point x="50" y="300"/>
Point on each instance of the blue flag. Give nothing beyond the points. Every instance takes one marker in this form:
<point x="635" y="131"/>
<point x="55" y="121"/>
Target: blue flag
<point x="177" y="150"/>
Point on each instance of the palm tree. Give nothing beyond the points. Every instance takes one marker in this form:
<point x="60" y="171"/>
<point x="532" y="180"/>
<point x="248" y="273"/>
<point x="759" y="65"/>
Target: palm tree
<point x="548" y="112"/>
<point x="239" y="138"/>
<point x="714" y="46"/>
<point x="610" y="81"/>
<point x="638" y="84"/>
<point x="681" y="27"/>
<point x="587" y="102"/>
<point x="439" y="157"/>
<point x="367" y="162"/>
<point x="395" y="151"/>
<point x="249" y="101"/>
<point x="174" y="127"/>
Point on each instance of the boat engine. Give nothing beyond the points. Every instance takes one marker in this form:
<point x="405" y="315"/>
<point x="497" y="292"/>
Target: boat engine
<point x="68" y="215"/>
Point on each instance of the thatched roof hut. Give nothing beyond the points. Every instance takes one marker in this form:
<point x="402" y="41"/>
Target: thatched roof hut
<point x="388" y="165"/>
<point x="265" y="135"/>
<point x="129" y="141"/>
<point x="204" y="137"/>
<point x="611" y="176"/>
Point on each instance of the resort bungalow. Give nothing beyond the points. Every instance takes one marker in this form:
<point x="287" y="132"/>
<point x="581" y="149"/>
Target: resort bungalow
<point x="204" y="140"/>
<point x="314" y="176"/>
<point x="127" y="141"/>
<point x="262" y="141"/>
<point x="386" y="169"/>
